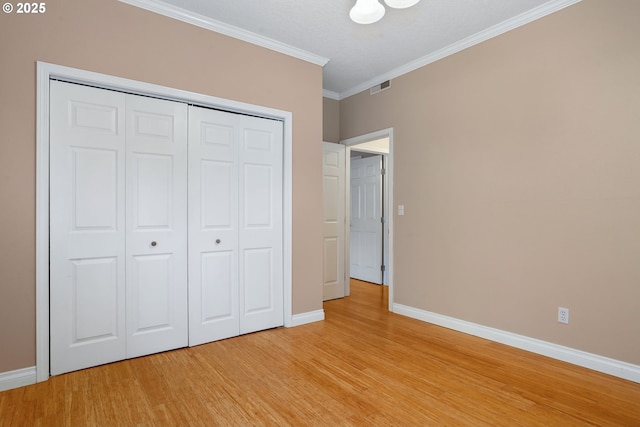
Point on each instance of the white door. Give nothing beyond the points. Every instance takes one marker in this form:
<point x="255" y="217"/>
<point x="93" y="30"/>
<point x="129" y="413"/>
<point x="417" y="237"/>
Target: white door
<point x="87" y="227"/>
<point x="118" y="277"/>
<point x="156" y="218"/>
<point x="261" y="244"/>
<point x="334" y="221"/>
<point x="213" y="226"/>
<point x="366" y="219"/>
<point x="235" y="225"/>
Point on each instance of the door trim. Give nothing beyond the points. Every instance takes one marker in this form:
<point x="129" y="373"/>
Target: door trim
<point x="350" y="142"/>
<point x="46" y="72"/>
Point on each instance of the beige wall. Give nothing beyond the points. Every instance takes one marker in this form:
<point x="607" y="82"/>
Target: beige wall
<point x="518" y="162"/>
<point x="117" y="39"/>
<point x="330" y="120"/>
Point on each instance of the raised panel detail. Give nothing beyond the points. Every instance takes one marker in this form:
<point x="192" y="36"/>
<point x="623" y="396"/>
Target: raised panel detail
<point x="355" y="244"/>
<point x="331" y="202"/>
<point x="213" y="134"/>
<point x="92" y="116"/>
<point x="257" y="280"/>
<point x="371" y="200"/>
<point x="153" y="176"/>
<point x="153" y="125"/>
<point x="217" y="286"/>
<point x="216" y="188"/>
<point x="330" y="264"/>
<point x="368" y="250"/>
<point x="331" y="159"/>
<point x="152" y="292"/>
<point x="356" y="172"/>
<point x="356" y="202"/>
<point x="95" y="186"/>
<point x="257" y="140"/>
<point x="257" y="195"/>
<point x="94" y="310"/>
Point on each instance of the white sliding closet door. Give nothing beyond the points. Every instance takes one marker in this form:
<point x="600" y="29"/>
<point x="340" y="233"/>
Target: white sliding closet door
<point x="235" y="225"/>
<point x="117" y="185"/>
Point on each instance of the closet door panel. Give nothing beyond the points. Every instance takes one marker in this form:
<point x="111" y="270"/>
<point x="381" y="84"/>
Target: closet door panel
<point x="258" y="280"/>
<point x="218" y="267"/>
<point x="87" y="231"/>
<point x="153" y="192"/>
<point x="151" y="290"/>
<point x="156" y="215"/>
<point x="260" y="233"/>
<point x="213" y="226"/>
<point x="95" y="299"/>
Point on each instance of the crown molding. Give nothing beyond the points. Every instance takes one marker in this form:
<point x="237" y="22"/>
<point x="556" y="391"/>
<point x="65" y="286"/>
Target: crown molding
<point x="330" y="94"/>
<point x="494" y="31"/>
<point x="205" y="22"/>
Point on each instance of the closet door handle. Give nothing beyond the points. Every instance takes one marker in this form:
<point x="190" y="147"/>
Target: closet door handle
<point x="153" y="243"/>
<point x="218" y="241"/>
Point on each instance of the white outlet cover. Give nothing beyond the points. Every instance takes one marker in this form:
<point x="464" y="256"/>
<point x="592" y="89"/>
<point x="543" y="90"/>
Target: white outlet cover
<point x="563" y="315"/>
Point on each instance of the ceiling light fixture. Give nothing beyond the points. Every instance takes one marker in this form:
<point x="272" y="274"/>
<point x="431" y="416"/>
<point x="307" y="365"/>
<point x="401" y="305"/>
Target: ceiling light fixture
<point x="370" y="11"/>
<point x="400" y="4"/>
<point x="366" y="12"/>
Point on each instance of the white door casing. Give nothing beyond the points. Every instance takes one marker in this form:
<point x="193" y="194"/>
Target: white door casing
<point x="334" y="221"/>
<point x="235" y="225"/>
<point x="366" y="219"/>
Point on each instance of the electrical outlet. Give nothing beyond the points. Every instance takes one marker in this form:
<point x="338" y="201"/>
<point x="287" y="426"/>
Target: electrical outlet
<point x="563" y="315"/>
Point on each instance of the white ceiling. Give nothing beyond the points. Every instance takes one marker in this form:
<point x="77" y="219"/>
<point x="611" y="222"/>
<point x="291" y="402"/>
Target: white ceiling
<point x="359" y="56"/>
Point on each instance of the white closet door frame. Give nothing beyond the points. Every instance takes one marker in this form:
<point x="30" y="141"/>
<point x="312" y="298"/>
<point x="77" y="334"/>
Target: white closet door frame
<point x="46" y="72"/>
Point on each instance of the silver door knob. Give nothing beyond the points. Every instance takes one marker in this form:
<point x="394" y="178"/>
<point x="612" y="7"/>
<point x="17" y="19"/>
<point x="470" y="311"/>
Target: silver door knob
<point x="218" y="241"/>
<point x="153" y="243"/>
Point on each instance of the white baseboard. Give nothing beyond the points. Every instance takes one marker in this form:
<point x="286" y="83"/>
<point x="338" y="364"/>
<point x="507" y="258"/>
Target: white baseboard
<point x="592" y="361"/>
<point x="17" y="378"/>
<point x="308" y="317"/>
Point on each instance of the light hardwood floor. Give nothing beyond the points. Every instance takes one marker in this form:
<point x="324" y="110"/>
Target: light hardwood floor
<point x="362" y="366"/>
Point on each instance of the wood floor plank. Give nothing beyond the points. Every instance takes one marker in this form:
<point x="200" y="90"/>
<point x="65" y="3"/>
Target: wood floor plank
<point x="362" y="366"/>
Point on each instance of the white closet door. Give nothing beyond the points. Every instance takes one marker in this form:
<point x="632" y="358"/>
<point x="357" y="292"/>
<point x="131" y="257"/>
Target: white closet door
<point x="156" y="218"/>
<point x="235" y="225"/>
<point x="87" y="226"/>
<point x="260" y="240"/>
<point x="118" y="221"/>
<point x="213" y="226"/>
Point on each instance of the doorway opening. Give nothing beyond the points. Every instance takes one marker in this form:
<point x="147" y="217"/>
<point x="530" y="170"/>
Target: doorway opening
<point x="378" y="148"/>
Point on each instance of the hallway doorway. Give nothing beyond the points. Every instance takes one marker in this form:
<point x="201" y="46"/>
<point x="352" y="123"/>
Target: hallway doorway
<point x="373" y="145"/>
